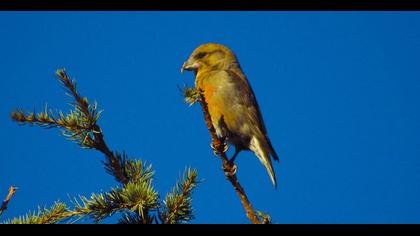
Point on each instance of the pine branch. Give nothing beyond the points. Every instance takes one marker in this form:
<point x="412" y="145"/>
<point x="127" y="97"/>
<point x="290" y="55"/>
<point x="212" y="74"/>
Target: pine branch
<point x="130" y="219"/>
<point x="138" y="198"/>
<point x="80" y="126"/>
<point x="92" y="116"/>
<point x="192" y="96"/>
<point x="132" y="170"/>
<point x="57" y="213"/>
<point x="178" y="203"/>
<point x="6" y="201"/>
<point x="135" y="198"/>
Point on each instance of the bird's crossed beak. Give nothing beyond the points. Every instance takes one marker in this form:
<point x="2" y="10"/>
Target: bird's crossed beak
<point x="188" y="65"/>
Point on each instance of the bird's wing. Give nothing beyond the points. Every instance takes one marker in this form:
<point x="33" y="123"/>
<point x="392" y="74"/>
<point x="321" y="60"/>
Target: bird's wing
<point x="247" y="99"/>
<point x="232" y="105"/>
<point x="229" y="95"/>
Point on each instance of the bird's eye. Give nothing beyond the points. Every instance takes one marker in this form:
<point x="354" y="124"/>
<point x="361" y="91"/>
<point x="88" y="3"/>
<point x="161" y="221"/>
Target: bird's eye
<point x="200" y="55"/>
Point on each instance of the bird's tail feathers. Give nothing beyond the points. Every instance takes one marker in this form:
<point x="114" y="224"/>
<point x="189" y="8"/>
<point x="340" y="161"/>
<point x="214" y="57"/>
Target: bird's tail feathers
<point x="262" y="150"/>
<point x="272" y="151"/>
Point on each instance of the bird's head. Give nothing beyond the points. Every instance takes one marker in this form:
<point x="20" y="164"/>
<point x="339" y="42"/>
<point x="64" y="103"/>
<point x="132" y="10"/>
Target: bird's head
<point x="210" y="56"/>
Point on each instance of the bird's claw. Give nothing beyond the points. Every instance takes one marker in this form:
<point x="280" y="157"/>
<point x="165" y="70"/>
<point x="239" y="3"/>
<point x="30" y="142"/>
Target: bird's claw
<point x="216" y="152"/>
<point x="225" y="147"/>
<point x="230" y="170"/>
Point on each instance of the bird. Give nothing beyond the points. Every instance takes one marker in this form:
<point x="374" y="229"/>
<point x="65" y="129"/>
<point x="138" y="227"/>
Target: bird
<point x="232" y="105"/>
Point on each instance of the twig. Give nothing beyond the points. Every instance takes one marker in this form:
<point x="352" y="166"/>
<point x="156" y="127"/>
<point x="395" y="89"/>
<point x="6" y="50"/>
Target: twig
<point x="9" y="196"/>
<point x="99" y="141"/>
<point x="112" y="160"/>
<point x="219" y="146"/>
<point x="83" y="128"/>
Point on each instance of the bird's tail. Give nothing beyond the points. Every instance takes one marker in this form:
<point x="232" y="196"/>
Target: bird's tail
<point x="263" y="149"/>
<point x="272" y="151"/>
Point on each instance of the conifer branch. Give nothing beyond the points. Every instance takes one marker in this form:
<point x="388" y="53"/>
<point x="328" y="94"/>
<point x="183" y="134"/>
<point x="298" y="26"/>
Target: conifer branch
<point x="80" y="126"/>
<point x="113" y="162"/>
<point x="135" y="198"/>
<point x="131" y="219"/>
<point x="138" y="198"/>
<point x="58" y="212"/>
<point x="6" y="201"/>
<point x="192" y="96"/>
<point x="177" y="204"/>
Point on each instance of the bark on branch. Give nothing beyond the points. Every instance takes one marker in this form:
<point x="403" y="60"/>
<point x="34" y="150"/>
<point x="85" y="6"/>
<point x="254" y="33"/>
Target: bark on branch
<point x="9" y="196"/>
<point x="228" y="167"/>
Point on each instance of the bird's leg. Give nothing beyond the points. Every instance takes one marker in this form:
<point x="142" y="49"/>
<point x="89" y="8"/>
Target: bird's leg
<point x="225" y="145"/>
<point x="216" y="151"/>
<point x="228" y="166"/>
<point x="231" y="167"/>
<point x="237" y="150"/>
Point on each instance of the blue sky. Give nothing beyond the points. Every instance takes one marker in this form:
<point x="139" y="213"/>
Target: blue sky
<point x="339" y="92"/>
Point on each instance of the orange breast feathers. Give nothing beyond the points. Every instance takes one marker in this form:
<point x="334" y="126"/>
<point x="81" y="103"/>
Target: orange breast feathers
<point x="215" y="104"/>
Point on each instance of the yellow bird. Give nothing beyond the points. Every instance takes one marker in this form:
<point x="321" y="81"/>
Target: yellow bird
<point x="232" y="105"/>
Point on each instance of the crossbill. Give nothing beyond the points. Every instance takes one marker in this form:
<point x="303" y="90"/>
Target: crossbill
<point x="232" y="105"/>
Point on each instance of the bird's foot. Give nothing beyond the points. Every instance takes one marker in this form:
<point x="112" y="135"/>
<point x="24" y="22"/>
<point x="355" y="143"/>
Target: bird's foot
<point x="216" y="152"/>
<point x="225" y="147"/>
<point x="230" y="169"/>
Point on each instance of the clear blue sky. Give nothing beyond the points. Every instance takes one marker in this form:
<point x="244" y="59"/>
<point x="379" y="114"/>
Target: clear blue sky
<point x="339" y="92"/>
